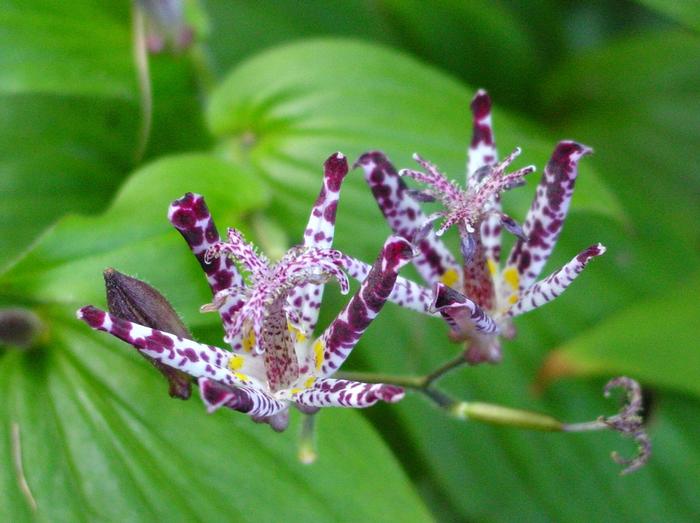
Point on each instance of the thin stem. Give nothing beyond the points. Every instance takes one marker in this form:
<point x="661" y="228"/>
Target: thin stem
<point x="443" y="369"/>
<point x="144" y="80"/>
<point x="585" y="427"/>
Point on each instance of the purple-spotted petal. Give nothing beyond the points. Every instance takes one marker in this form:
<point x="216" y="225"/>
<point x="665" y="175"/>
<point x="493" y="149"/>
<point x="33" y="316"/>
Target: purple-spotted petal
<point x="343" y="393"/>
<point x="245" y="399"/>
<point x="482" y="157"/>
<point x="462" y="315"/>
<point x="405" y="217"/>
<point x="190" y="215"/>
<point x="196" y="359"/>
<point x="406" y="293"/>
<point x="482" y="149"/>
<point x="334" y="346"/>
<point x="319" y="233"/>
<point x="546" y="215"/>
<point x="556" y="283"/>
<point x="320" y="228"/>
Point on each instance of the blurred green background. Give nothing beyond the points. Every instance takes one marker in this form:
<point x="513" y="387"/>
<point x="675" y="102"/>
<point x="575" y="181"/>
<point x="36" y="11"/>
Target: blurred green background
<point x="248" y="99"/>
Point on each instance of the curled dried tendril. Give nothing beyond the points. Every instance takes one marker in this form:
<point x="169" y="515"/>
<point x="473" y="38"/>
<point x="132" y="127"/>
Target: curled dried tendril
<point x="629" y="423"/>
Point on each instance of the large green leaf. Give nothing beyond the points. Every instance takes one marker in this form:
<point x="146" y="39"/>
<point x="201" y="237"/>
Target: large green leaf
<point x="642" y="109"/>
<point x="685" y="12"/>
<point x="650" y="340"/>
<point x="385" y="101"/>
<point x="484" y="42"/>
<point x="96" y="434"/>
<point x="286" y="110"/>
<point x="69" y="111"/>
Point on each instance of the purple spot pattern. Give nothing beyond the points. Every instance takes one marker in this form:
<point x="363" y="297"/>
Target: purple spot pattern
<point x="243" y="399"/>
<point x="191" y="217"/>
<point x="553" y="285"/>
<point x="483" y="154"/>
<point x="546" y="215"/>
<point x="343" y="334"/>
<point x="271" y="366"/>
<point x="405" y="293"/>
<point x="405" y="216"/>
<point x="319" y="233"/>
<point x="343" y="393"/>
<point x="463" y="315"/>
<point x="484" y="311"/>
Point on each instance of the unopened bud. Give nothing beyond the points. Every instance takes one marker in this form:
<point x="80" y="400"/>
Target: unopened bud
<point x="136" y="301"/>
<point x="166" y="25"/>
<point x="19" y="327"/>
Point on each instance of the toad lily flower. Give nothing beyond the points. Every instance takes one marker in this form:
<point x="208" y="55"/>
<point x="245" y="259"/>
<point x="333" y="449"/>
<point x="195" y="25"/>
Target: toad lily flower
<point x="269" y="312"/>
<point x="479" y="299"/>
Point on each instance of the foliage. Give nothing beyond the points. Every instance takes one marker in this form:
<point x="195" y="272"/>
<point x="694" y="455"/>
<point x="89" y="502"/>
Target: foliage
<point x="98" y="436"/>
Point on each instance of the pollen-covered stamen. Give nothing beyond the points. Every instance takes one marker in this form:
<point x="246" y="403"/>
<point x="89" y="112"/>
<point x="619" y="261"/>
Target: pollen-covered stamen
<point x="494" y="181"/>
<point x="311" y="266"/>
<point x="298" y="267"/>
<point x="468" y="208"/>
<point x="241" y="251"/>
<point x="439" y="186"/>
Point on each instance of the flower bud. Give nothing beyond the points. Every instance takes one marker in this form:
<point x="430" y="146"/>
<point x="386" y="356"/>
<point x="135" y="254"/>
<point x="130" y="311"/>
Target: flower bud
<point x="19" y="327"/>
<point x="136" y="301"/>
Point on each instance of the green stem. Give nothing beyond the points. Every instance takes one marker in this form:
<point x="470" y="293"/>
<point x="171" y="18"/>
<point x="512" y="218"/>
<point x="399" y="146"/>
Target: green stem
<point x="443" y="369"/>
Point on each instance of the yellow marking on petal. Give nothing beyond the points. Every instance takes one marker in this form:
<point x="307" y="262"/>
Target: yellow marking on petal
<point x="512" y="278"/>
<point x="295" y="391"/>
<point x="235" y="362"/>
<point x="493" y="268"/>
<point x="310" y="381"/>
<point x="249" y="341"/>
<point x="512" y="299"/>
<point x="449" y="277"/>
<point x="241" y="377"/>
<point x="299" y="336"/>
<point x="318" y="354"/>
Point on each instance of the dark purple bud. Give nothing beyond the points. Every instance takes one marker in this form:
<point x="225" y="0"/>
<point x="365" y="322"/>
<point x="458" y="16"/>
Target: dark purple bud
<point x="136" y="301"/>
<point x="512" y="226"/>
<point x="420" y="196"/>
<point x="468" y="247"/>
<point x="19" y="327"/>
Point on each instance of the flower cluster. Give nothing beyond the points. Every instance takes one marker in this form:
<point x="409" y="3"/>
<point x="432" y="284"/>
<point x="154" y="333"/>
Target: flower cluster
<point x="478" y="298"/>
<point x="269" y="312"/>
